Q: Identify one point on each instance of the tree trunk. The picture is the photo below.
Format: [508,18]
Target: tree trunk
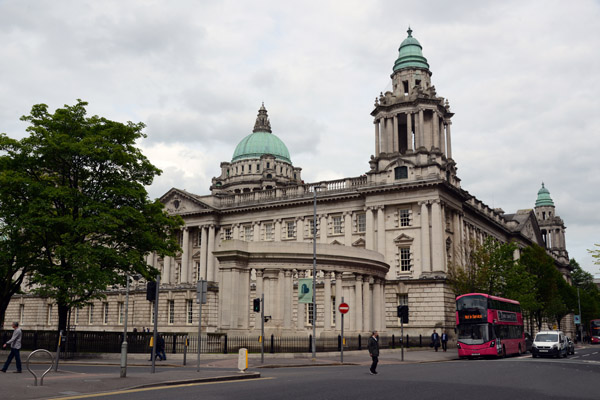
[63,313]
[3,307]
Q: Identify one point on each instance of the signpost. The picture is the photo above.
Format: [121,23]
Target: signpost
[343,307]
[200,299]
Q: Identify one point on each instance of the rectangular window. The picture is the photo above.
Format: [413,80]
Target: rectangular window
[105,313]
[90,314]
[400,172]
[199,237]
[171,305]
[291,229]
[308,312]
[190,311]
[49,316]
[248,233]
[268,231]
[197,270]
[21,313]
[404,259]
[257,167]
[337,225]
[227,234]
[404,217]
[76,317]
[121,307]
[361,223]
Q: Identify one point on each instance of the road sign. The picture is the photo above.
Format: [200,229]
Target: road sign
[343,308]
[577,320]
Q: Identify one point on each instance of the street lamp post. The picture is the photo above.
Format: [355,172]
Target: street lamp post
[124,344]
[314,282]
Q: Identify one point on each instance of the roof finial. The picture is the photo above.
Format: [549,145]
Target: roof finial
[262,121]
[543,184]
[409,31]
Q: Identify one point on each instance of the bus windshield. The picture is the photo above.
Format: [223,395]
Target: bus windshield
[472,303]
[474,333]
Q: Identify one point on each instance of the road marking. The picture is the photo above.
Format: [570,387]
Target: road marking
[575,357]
[117,392]
[595,352]
[585,355]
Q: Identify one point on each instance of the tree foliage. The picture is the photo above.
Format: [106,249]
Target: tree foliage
[588,293]
[81,183]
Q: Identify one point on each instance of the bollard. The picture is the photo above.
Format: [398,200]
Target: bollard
[359,342]
[243,360]
[225,345]
[420,340]
[185,347]
[272,344]
[393,342]
[339,343]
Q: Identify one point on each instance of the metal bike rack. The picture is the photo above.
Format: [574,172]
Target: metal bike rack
[45,372]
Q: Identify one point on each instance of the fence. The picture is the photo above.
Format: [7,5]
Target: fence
[79,342]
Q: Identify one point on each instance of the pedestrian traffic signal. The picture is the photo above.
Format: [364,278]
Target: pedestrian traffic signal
[403,314]
[151,291]
[256,305]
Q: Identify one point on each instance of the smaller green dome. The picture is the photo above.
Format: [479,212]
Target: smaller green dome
[410,54]
[543,198]
[261,141]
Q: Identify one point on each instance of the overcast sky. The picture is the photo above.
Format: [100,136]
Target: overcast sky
[522,77]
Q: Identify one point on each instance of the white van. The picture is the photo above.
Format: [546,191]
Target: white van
[549,344]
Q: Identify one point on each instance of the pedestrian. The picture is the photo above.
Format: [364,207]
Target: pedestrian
[15,348]
[160,348]
[444,340]
[435,340]
[373,347]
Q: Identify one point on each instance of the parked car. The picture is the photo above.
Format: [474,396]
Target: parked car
[570,346]
[528,342]
[549,344]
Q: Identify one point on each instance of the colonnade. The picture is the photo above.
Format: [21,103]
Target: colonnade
[433,133]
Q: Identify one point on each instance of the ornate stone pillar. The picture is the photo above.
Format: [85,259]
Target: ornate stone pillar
[367,311]
[435,130]
[438,249]
[280,302]
[358,303]
[376,123]
[327,301]
[348,228]
[395,140]
[383,305]
[288,292]
[425,248]
[166,275]
[300,322]
[185,255]
[448,140]
[370,228]
[409,135]
[376,304]
[422,140]
[381,230]
[339,293]
[324,228]
[442,137]
[210,263]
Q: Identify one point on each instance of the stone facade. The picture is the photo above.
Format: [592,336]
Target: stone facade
[382,239]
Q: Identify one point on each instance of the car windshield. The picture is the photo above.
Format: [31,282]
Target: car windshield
[546,337]
[474,333]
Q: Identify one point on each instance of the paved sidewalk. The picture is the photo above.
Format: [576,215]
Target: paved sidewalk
[101,374]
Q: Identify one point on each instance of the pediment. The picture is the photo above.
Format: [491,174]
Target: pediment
[403,238]
[337,243]
[178,201]
[359,243]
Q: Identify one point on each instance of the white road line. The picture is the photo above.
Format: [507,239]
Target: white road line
[575,357]
[585,355]
[595,352]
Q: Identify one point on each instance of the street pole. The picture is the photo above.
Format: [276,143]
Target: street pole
[580,317]
[124,344]
[201,299]
[262,328]
[402,336]
[155,336]
[314,282]
[342,345]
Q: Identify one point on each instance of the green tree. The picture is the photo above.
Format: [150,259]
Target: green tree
[588,293]
[81,181]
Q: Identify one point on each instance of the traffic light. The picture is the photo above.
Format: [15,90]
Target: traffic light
[151,291]
[403,314]
[256,305]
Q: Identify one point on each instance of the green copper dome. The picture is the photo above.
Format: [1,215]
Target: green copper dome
[410,54]
[543,198]
[261,141]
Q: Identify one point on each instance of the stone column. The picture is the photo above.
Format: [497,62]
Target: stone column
[438,249]
[422,140]
[370,228]
[448,140]
[367,311]
[278,230]
[348,228]
[166,275]
[358,303]
[327,301]
[409,136]
[381,230]
[425,250]
[288,292]
[210,258]
[395,140]
[324,228]
[203,250]
[442,137]
[236,231]
[383,304]
[384,135]
[435,130]
[256,233]
[280,302]
[300,229]
[300,322]
[376,304]
[376,123]
[185,255]
[243,305]
[339,293]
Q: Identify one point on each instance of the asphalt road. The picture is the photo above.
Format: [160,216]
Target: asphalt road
[577,377]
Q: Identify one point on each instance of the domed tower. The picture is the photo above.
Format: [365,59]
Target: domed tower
[412,124]
[551,225]
[260,161]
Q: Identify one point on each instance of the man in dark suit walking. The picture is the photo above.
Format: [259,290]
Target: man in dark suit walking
[444,340]
[373,347]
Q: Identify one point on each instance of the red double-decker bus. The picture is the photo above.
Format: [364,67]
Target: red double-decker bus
[595,331]
[488,326]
